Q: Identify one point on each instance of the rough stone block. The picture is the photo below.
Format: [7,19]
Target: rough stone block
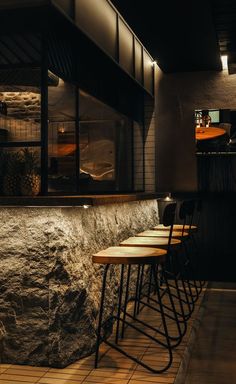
[49,287]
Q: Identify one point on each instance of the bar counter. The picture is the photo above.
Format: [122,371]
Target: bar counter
[68,201]
[50,290]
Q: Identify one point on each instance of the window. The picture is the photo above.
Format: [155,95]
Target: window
[89,147]
[62,138]
[106,147]
[20,132]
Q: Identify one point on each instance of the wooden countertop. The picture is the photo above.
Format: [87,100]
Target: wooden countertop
[74,201]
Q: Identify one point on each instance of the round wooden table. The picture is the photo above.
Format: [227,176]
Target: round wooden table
[206,133]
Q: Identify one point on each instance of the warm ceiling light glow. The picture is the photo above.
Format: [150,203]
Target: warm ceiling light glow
[154,63]
[224,60]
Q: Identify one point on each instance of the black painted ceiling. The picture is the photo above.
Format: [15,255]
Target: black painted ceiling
[183,35]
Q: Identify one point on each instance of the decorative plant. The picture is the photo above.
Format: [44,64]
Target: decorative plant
[30,178]
[2,169]
[11,173]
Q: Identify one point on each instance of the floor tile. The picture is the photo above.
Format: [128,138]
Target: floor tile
[48,380]
[18,378]
[114,368]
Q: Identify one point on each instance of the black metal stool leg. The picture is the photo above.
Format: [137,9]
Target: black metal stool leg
[126,301]
[140,289]
[119,303]
[159,298]
[136,291]
[100,315]
[149,285]
[176,315]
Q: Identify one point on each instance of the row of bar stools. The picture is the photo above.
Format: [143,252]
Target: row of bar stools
[174,266]
[177,317]
[187,229]
[135,247]
[154,249]
[127,256]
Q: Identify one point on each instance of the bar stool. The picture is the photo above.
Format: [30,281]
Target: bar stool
[169,243]
[174,269]
[125,256]
[177,317]
[186,214]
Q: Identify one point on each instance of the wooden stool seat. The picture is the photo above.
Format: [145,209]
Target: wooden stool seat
[176,227]
[129,255]
[149,242]
[161,233]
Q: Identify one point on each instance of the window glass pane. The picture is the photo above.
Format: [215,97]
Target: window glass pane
[105,147]
[20,105]
[20,171]
[138,157]
[215,116]
[61,138]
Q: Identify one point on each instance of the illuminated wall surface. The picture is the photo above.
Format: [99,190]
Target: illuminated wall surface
[49,286]
[103,24]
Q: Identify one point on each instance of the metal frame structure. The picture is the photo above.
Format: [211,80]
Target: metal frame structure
[42,48]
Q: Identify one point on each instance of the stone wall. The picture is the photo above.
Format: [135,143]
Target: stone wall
[49,288]
[22,122]
[22,104]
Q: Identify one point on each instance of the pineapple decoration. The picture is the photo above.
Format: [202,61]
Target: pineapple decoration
[11,178]
[2,169]
[30,178]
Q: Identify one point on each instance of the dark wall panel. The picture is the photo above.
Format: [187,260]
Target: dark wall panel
[148,72]
[126,56]
[67,6]
[138,62]
[98,20]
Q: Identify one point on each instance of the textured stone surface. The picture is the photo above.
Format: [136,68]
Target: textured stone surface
[49,288]
[22,109]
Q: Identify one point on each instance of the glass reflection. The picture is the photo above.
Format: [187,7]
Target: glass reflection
[61,138]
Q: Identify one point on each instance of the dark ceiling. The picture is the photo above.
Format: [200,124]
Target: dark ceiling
[183,35]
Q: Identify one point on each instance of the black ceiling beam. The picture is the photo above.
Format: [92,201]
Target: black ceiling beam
[173,31]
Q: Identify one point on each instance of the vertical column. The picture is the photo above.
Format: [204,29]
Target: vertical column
[149,144]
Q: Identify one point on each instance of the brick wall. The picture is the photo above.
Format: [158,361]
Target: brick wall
[149,145]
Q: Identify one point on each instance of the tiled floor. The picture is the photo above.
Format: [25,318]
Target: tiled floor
[213,359]
[114,368]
